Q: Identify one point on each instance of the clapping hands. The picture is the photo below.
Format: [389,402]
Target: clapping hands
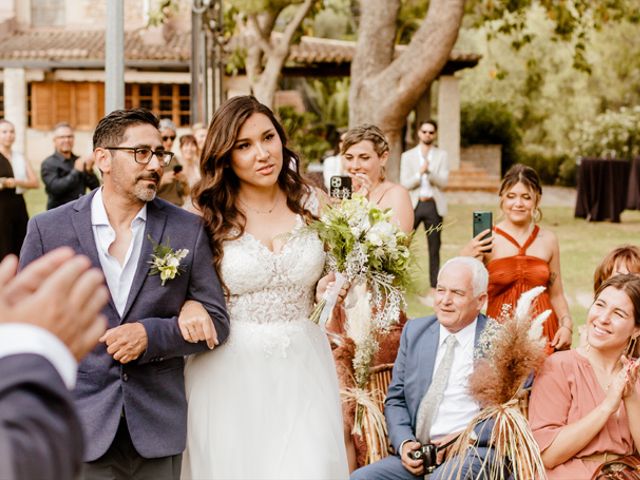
[624,384]
[58,292]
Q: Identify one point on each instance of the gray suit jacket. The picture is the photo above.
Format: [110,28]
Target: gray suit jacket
[149,390]
[412,373]
[40,434]
[438,176]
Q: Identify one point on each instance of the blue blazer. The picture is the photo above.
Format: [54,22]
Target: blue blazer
[149,390]
[40,434]
[412,373]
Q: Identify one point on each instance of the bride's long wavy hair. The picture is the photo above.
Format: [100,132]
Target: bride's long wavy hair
[216,194]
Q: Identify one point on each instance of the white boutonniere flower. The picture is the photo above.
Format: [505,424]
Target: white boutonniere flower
[165,261]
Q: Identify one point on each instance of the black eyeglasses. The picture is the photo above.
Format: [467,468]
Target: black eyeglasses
[142,155]
[168,137]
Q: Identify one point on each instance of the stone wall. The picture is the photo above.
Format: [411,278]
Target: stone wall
[487,157]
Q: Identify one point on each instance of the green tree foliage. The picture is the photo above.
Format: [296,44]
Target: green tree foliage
[547,96]
[305,133]
[491,123]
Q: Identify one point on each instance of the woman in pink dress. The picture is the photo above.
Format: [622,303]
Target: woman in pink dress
[585,403]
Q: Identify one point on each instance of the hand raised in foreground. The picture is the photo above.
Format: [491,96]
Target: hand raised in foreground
[58,292]
[195,324]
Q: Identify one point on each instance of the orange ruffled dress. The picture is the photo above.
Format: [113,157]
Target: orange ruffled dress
[509,277]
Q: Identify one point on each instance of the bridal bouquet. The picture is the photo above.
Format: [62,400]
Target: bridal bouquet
[368,250]
[365,246]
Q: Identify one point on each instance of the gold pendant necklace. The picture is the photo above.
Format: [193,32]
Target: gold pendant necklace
[261,212]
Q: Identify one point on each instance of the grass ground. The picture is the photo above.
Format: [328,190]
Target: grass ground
[582,246]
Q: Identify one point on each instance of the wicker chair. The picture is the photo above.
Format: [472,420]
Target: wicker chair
[377,446]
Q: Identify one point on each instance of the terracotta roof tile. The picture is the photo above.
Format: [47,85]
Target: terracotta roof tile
[64,45]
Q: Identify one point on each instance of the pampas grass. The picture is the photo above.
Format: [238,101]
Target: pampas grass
[516,350]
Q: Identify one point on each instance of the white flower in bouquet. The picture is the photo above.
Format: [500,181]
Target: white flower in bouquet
[364,245]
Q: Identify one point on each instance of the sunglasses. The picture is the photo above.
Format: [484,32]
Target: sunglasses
[168,137]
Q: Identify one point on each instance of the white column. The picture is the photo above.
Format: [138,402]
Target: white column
[15,104]
[114,57]
[449,118]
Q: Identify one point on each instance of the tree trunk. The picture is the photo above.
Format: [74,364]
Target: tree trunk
[384,90]
[264,74]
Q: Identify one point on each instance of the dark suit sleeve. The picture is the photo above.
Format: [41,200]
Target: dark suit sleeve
[40,435]
[56,185]
[32,247]
[395,405]
[163,334]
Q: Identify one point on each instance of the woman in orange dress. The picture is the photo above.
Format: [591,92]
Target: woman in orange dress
[585,403]
[520,255]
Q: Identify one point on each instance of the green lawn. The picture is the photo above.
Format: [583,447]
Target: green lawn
[582,246]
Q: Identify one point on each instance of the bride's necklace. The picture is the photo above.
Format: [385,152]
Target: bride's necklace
[261,212]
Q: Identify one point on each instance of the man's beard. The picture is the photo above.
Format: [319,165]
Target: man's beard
[428,141]
[146,192]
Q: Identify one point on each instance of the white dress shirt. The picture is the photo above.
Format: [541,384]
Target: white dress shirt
[21,338]
[119,277]
[426,190]
[458,407]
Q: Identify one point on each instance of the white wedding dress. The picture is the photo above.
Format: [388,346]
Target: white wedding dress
[265,404]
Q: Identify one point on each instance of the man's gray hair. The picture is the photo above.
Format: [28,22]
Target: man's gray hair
[479,274]
[166,123]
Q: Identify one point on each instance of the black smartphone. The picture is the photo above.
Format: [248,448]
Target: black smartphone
[177,168]
[481,222]
[340,186]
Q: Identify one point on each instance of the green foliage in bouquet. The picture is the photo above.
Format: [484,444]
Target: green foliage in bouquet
[365,245]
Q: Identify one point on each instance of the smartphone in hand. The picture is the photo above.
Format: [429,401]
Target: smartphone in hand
[482,221]
[340,186]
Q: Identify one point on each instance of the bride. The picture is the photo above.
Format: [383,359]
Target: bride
[264,405]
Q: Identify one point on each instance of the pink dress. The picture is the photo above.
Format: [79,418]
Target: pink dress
[565,390]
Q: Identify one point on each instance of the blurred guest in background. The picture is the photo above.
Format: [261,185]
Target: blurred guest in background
[66,176]
[424,171]
[173,184]
[16,175]
[200,133]
[622,259]
[190,158]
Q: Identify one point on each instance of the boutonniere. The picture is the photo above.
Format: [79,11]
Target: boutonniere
[165,261]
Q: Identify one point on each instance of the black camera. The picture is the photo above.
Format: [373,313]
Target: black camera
[428,453]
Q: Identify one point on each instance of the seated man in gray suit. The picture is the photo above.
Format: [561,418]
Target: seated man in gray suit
[428,399]
[155,256]
[49,319]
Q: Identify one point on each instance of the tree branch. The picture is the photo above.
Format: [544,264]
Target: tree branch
[262,39]
[301,13]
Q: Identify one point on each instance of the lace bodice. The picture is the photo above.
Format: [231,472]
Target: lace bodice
[268,287]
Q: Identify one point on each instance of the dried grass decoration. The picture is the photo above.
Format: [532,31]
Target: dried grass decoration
[508,352]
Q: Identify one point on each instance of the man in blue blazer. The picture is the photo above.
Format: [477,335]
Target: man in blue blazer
[155,256]
[461,292]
